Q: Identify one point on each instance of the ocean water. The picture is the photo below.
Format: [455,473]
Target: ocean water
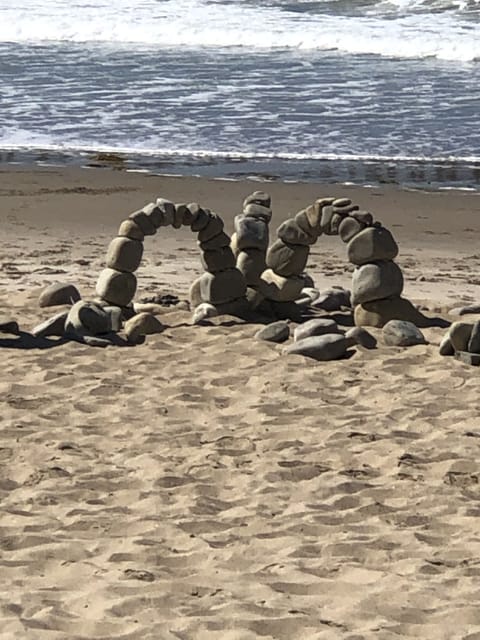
[326,90]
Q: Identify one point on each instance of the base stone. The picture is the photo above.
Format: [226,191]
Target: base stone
[222,287]
[379,312]
[116,287]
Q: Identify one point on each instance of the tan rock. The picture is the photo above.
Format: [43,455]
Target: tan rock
[142,324]
[252,264]
[57,294]
[116,287]
[217,242]
[144,222]
[378,312]
[376,281]
[290,232]
[88,318]
[313,214]
[365,217]
[258,197]
[323,347]
[195,293]
[349,227]
[124,254]
[372,244]
[54,326]
[234,244]
[130,229]
[154,213]
[200,217]
[460,334]
[275,287]
[218,260]
[168,214]
[286,259]
[326,219]
[254,210]
[222,287]
[251,233]
[446,347]
[213,228]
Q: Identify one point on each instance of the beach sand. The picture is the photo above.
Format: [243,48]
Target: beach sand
[202,486]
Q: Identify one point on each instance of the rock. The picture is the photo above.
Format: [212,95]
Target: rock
[401,333]
[327,215]
[446,347]
[154,213]
[378,312]
[274,332]
[325,347]
[375,281]
[462,311]
[168,214]
[474,342]
[217,242]
[213,228]
[309,293]
[315,327]
[116,287]
[460,334]
[57,294]
[124,254]
[195,293]
[468,358]
[333,299]
[144,222]
[313,215]
[8,325]
[275,287]
[91,341]
[335,224]
[130,229]
[346,210]
[301,218]
[349,227]
[203,311]
[341,202]
[234,245]
[251,233]
[258,197]
[238,308]
[372,244]
[142,324]
[258,211]
[183,213]
[218,260]
[221,287]
[88,318]
[200,217]
[286,259]
[252,264]
[365,217]
[54,326]
[360,336]
[116,317]
[290,232]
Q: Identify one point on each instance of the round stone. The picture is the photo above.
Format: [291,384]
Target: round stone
[124,254]
[116,287]
[375,281]
[372,244]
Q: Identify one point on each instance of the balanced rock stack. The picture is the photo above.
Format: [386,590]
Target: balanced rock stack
[251,237]
[287,257]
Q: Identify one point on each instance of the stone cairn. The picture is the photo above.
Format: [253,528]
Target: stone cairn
[242,273]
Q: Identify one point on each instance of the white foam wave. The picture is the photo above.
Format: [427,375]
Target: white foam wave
[199,23]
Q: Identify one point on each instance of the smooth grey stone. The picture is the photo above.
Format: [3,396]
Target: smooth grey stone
[446,347]
[144,222]
[315,327]
[218,260]
[95,341]
[124,254]
[251,233]
[460,334]
[254,210]
[372,244]
[221,287]
[333,299]
[313,214]
[217,242]
[142,324]
[195,293]
[323,348]
[302,219]
[359,335]
[258,197]
[474,342]
[327,215]
[278,288]
[252,264]
[168,215]
[54,326]
[274,332]
[57,294]
[462,311]
[286,259]
[401,333]
[203,311]
[116,316]
[290,232]
[130,229]
[213,228]
[341,202]
[8,325]
[376,281]
[200,217]
[335,223]
[349,227]
[116,287]
[365,217]
[155,214]
[468,358]
[346,209]
[88,318]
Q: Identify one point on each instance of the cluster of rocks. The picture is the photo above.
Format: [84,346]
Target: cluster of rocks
[462,340]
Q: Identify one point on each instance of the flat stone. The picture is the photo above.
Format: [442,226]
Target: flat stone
[446,347]
[349,227]
[8,325]
[308,296]
[54,326]
[375,281]
[468,358]
[221,287]
[333,299]
[213,228]
[218,260]
[116,287]
[460,334]
[258,197]
[313,214]
[378,312]
[323,348]
[327,215]
[401,333]
[274,332]
[142,324]
[88,318]
[302,219]
[286,259]
[365,217]
[57,294]
[372,244]
[335,223]
[474,342]
[360,336]
[346,209]
[234,245]
[341,202]
[92,341]
[315,327]
[203,311]
[168,215]
[254,210]
[200,217]
[144,222]
[276,287]
[217,242]
[124,254]
[116,316]
[130,229]
[290,232]
[251,233]
[155,214]
[252,264]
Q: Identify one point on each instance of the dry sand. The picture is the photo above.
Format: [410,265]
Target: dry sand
[202,485]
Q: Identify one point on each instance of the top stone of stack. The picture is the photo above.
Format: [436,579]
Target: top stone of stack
[372,244]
